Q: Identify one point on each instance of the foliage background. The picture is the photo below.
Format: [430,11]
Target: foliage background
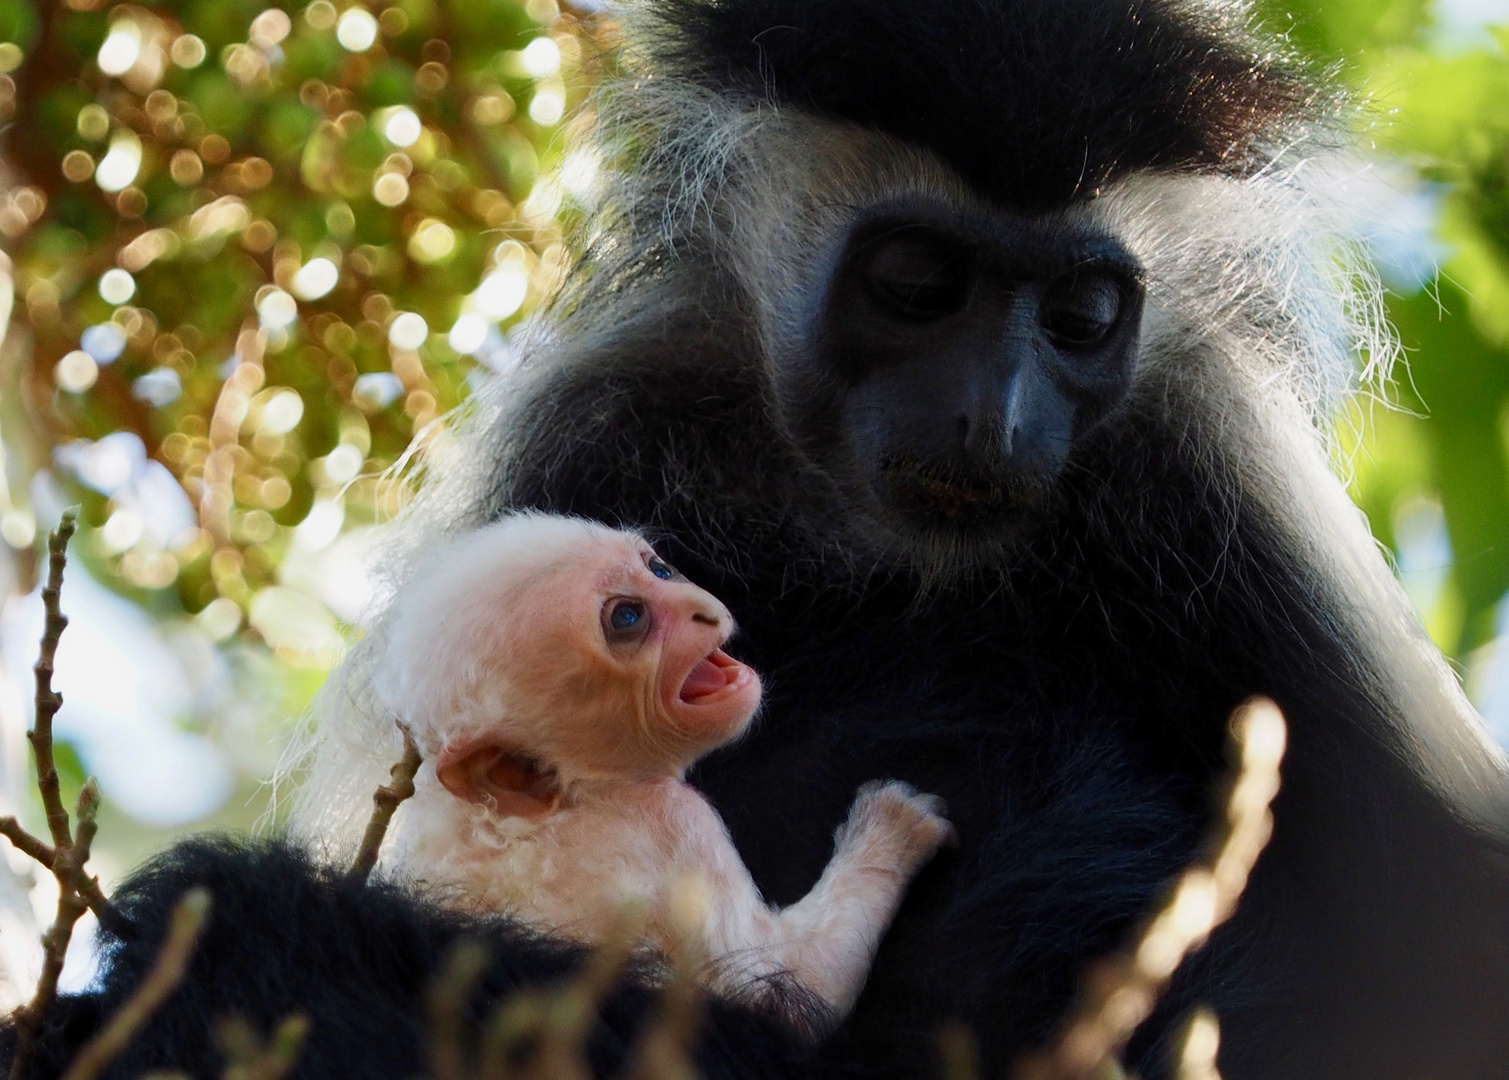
[1431,472]
[252,253]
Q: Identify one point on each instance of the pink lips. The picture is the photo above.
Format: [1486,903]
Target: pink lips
[711,674]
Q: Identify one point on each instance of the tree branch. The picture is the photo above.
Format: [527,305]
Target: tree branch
[26,843]
[48,699]
[66,867]
[69,852]
[87,886]
[47,704]
[386,800]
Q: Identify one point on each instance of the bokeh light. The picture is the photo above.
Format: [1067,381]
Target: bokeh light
[315,279]
[357,29]
[121,48]
[403,127]
[468,334]
[117,286]
[409,331]
[188,51]
[120,164]
[541,57]
[76,372]
[390,189]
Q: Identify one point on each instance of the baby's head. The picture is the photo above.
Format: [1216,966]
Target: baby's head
[543,650]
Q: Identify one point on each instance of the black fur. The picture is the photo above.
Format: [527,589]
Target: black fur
[286,936]
[1036,102]
[1070,705]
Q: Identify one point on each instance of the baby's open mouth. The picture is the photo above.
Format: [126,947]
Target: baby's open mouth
[714,672]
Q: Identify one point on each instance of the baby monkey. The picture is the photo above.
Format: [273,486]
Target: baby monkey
[559,679]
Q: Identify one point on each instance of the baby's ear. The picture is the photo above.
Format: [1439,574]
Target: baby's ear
[513,783]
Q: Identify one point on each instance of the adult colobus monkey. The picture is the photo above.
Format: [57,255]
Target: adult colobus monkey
[979,354]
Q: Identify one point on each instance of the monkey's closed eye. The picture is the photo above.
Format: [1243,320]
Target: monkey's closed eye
[625,620]
[1081,310]
[918,276]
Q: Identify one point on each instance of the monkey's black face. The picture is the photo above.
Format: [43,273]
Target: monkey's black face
[961,366]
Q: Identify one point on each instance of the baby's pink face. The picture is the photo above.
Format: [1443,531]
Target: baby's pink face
[628,656]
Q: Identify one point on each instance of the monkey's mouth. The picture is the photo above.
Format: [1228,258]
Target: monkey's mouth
[962,498]
[715,674]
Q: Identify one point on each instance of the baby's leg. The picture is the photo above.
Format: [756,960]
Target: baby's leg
[827,940]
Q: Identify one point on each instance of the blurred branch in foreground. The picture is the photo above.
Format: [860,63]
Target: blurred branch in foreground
[171,966]
[1120,991]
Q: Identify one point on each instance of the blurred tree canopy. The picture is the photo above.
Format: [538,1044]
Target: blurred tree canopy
[270,245]
[252,253]
[1431,474]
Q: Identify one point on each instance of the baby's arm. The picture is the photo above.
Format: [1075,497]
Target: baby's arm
[827,940]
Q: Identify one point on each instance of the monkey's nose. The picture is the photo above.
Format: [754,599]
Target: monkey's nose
[710,612]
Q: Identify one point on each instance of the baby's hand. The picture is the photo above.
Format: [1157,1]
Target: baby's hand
[894,827]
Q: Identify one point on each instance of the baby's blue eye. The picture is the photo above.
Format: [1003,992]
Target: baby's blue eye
[625,619]
[661,569]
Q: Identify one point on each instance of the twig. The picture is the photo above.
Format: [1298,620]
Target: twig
[1121,990]
[188,919]
[48,699]
[68,853]
[89,887]
[26,843]
[385,800]
[67,867]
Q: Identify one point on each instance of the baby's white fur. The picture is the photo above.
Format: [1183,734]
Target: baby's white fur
[440,679]
[611,840]
[571,872]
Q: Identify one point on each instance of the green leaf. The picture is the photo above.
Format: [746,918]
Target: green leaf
[1463,382]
